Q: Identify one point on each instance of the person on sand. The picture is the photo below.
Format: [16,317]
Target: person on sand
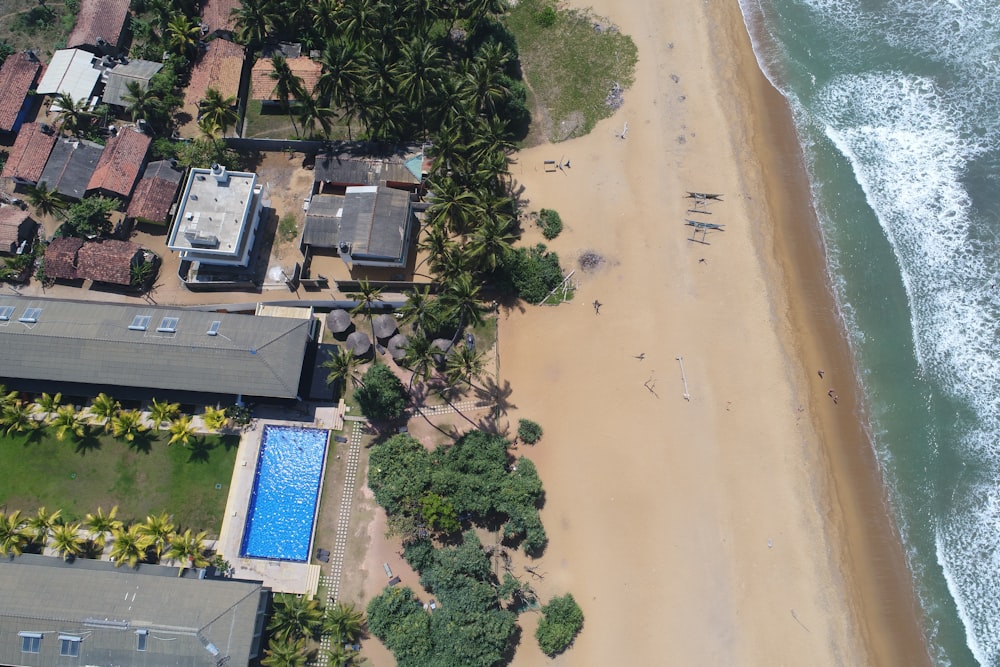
[597,307]
[820,373]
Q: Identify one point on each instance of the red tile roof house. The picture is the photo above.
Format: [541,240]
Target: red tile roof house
[101,26]
[18,75]
[108,261]
[60,258]
[29,154]
[262,85]
[16,228]
[155,193]
[120,164]
[219,67]
[217,16]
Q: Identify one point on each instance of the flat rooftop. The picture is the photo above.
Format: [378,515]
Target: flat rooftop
[212,214]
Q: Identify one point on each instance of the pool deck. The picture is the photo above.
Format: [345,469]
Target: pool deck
[279,576]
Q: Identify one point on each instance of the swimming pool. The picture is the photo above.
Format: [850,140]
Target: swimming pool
[282,511]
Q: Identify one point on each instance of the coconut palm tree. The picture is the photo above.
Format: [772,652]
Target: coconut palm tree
[181,431]
[68,420]
[127,424]
[313,113]
[160,530]
[341,78]
[286,85]
[492,241]
[161,412]
[130,545]
[47,404]
[16,418]
[38,526]
[342,367]
[72,114]
[420,70]
[465,365]
[7,397]
[419,358]
[419,310]
[461,297]
[187,550]
[254,21]
[100,524]
[339,655]
[143,102]
[13,538]
[344,622]
[103,409]
[366,297]
[218,111]
[285,653]
[214,419]
[452,264]
[295,617]
[182,36]
[67,541]
[437,243]
[45,201]
[452,206]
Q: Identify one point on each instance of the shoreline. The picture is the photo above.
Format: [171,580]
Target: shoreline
[763,495]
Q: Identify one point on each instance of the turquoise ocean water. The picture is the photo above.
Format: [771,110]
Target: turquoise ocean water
[896,105]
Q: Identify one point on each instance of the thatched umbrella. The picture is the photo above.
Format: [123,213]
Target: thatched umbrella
[397,346]
[339,321]
[359,343]
[385,326]
[444,347]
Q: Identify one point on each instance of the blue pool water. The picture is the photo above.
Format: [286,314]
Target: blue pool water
[285,494]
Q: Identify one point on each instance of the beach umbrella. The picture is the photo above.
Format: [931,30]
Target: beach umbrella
[397,346]
[443,345]
[360,343]
[338,321]
[385,326]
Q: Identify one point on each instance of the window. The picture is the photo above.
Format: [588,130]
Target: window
[30,315]
[214,329]
[168,325]
[6,312]
[140,322]
[140,637]
[69,645]
[30,641]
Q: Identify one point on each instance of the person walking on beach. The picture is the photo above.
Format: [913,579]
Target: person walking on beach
[597,307]
[820,373]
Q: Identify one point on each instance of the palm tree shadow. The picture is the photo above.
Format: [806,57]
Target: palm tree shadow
[500,393]
[142,443]
[200,450]
[88,443]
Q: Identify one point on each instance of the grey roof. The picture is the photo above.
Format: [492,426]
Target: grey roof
[338,321]
[323,221]
[375,223]
[385,325]
[140,71]
[359,342]
[188,622]
[92,343]
[397,346]
[70,165]
[349,168]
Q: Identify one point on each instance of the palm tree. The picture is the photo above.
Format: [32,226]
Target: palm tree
[66,540]
[452,264]
[100,524]
[437,243]
[72,113]
[130,545]
[285,653]
[48,404]
[421,69]
[343,366]
[214,419]
[341,78]
[492,242]
[218,111]
[464,365]
[161,412]
[188,550]
[13,538]
[461,297]
[103,409]
[17,418]
[344,622]
[45,201]
[182,36]
[287,85]
[295,617]
[143,103]
[366,297]
[312,112]
[419,310]
[452,206]
[68,420]
[7,397]
[340,655]
[254,21]
[127,424]
[419,357]
[39,525]
[160,530]
[181,431]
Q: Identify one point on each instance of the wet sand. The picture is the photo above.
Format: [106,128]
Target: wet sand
[746,525]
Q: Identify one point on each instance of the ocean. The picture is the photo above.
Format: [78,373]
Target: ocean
[895,104]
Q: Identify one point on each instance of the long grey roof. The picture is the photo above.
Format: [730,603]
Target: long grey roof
[350,168]
[70,166]
[375,223]
[92,343]
[322,221]
[140,71]
[188,622]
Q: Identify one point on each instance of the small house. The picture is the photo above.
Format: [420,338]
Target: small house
[18,75]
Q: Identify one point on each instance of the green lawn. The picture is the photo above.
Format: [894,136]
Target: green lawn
[147,477]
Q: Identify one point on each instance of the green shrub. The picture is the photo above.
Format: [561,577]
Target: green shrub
[562,619]
[381,396]
[534,273]
[547,17]
[550,222]
[288,228]
[529,431]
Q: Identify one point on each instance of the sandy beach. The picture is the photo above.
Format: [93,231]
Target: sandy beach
[748,524]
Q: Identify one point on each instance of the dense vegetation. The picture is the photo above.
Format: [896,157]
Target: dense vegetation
[296,619]
[528,431]
[382,396]
[562,619]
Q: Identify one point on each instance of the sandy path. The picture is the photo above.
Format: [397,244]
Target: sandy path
[710,531]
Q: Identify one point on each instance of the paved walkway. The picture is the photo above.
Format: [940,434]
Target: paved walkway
[464,406]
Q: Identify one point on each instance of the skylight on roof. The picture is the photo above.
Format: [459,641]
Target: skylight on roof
[30,315]
[140,322]
[214,329]
[168,325]
[141,638]
[5,313]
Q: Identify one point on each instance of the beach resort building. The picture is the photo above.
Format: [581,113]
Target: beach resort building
[84,348]
[89,612]
[18,75]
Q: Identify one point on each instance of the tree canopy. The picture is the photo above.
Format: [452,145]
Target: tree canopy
[382,396]
[562,619]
